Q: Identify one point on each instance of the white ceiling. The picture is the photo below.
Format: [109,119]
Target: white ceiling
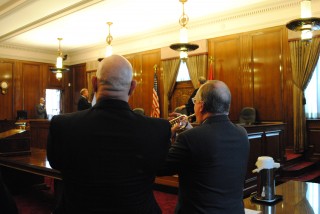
[36,24]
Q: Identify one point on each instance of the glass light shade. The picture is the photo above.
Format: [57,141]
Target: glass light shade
[306,9]
[184,35]
[59,62]
[59,75]
[108,51]
[306,35]
[183,55]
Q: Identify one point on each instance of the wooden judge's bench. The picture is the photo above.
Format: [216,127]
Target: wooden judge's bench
[266,139]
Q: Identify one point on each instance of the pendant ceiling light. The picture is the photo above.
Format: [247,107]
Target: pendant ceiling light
[184,47]
[109,40]
[306,24]
[59,69]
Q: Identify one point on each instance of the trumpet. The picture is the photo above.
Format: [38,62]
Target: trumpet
[182,120]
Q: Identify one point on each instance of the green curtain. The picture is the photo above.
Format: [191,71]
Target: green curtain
[170,72]
[304,57]
[197,66]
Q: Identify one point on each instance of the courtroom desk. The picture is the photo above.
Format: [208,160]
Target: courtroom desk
[266,139]
[298,198]
[39,129]
[6,125]
[36,163]
[171,181]
[14,142]
[26,171]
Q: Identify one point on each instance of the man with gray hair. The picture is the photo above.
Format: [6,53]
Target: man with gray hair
[108,155]
[83,102]
[210,159]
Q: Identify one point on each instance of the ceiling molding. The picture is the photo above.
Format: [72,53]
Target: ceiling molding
[11,6]
[56,15]
[248,19]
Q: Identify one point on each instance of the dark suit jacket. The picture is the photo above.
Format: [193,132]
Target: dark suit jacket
[83,104]
[41,112]
[108,156]
[189,104]
[211,160]
[7,202]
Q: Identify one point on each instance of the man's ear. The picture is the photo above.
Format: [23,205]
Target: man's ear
[202,108]
[94,83]
[132,87]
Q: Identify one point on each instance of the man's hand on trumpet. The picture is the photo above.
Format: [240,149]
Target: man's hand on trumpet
[179,122]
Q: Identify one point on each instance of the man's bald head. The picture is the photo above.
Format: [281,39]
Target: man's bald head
[114,78]
[216,97]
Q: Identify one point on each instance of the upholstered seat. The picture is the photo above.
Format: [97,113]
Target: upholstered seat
[247,116]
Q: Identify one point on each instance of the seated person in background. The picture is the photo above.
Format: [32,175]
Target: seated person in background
[210,159]
[108,155]
[41,112]
[83,102]
[189,105]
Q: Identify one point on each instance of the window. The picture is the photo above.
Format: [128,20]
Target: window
[183,73]
[312,93]
[52,102]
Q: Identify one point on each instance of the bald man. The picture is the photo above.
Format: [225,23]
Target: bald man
[108,155]
[211,159]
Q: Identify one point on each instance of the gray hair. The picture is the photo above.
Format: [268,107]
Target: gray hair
[83,90]
[216,97]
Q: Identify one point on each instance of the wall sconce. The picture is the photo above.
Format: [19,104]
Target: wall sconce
[59,69]
[109,40]
[184,47]
[306,24]
[4,87]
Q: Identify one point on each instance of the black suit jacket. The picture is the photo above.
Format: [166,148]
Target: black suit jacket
[108,156]
[83,104]
[189,105]
[211,160]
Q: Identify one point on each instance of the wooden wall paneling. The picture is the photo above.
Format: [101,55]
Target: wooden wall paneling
[135,99]
[246,72]
[32,86]
[226,54]
[266,61]
[313,136]
[143,70]
[79,81]
[18,97]
[66,92]
[52,81]
[6,100]
[287,88]
[149,60]
[181,94]
[90,75]
[273,149]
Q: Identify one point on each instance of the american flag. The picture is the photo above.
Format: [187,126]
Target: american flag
[155,99]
